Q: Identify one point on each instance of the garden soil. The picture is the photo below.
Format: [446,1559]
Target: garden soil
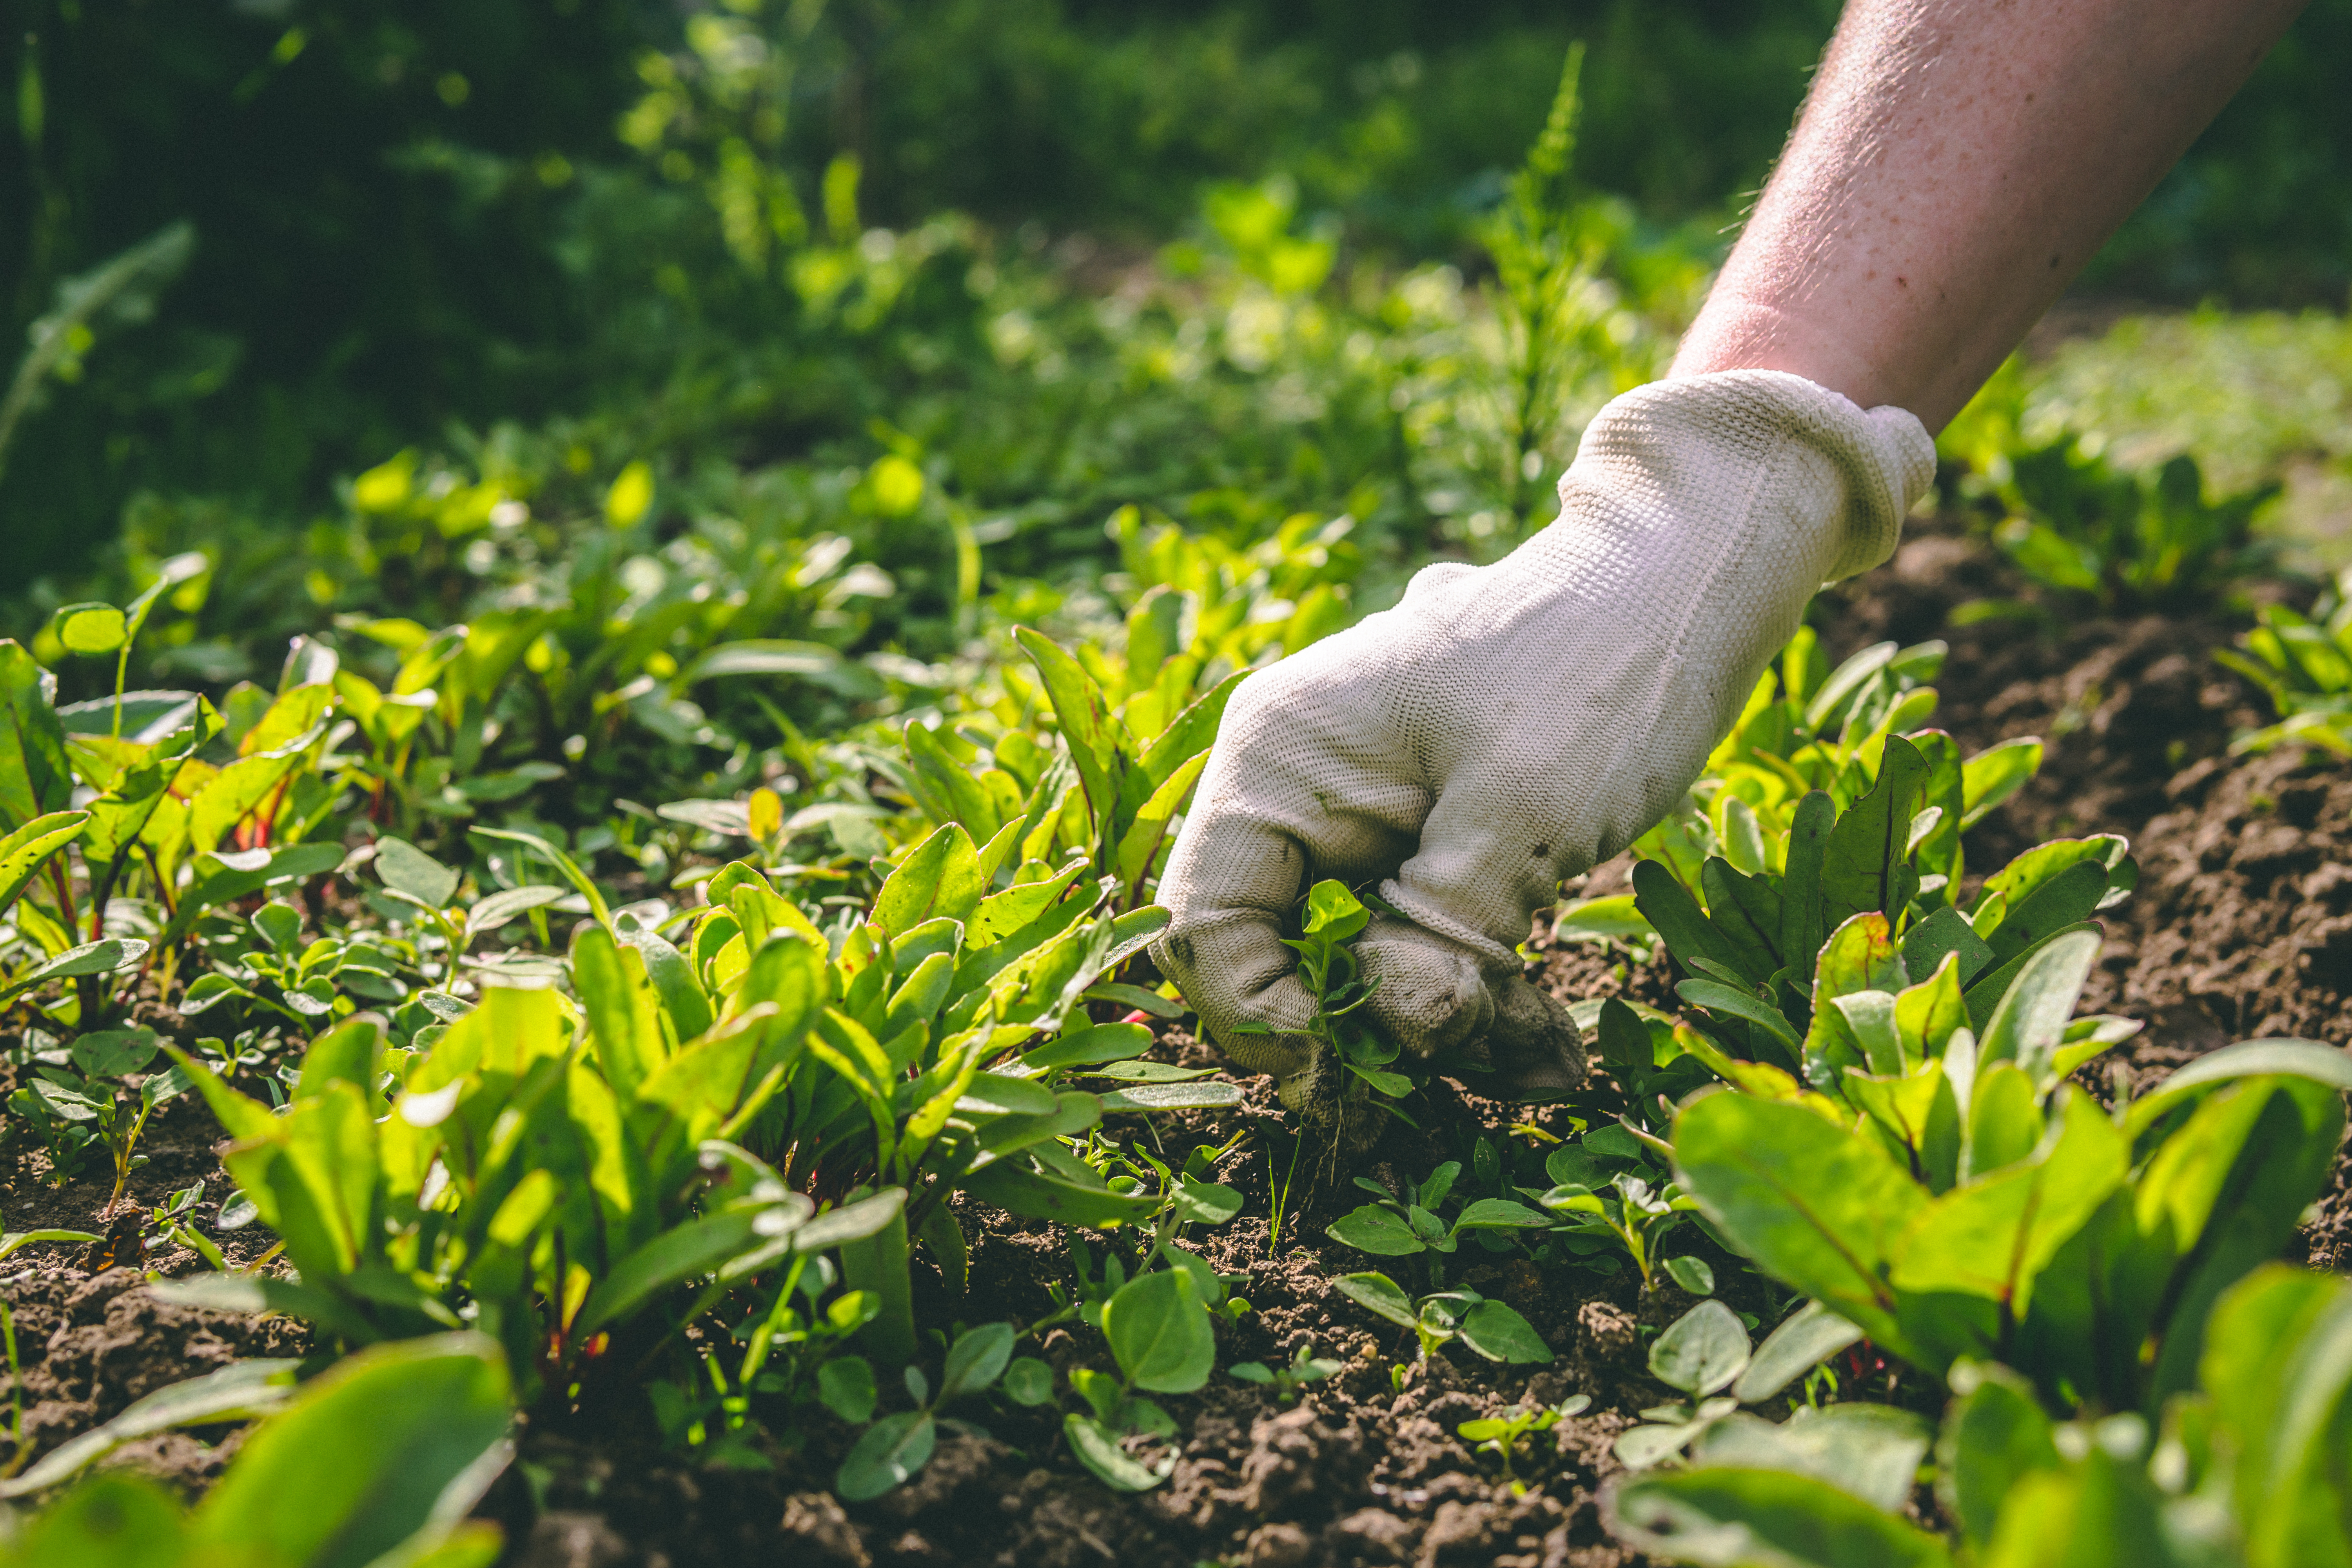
[2242,927]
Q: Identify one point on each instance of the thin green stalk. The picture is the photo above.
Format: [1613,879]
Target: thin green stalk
[15,1393]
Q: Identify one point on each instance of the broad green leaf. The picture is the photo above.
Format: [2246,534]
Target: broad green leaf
[405,867]
[1746,911]
[1845,681]
[1615,917]
[2005,1121]
[1717,997]
[1376,1294]
[1497,1332]
[1809,1337]
[1142,841]
[1722,1517]
[2229,1188]
[1000,915]
[111,1053]
[2101,1512]
[91,958]
[1202,1096]
[1500,1213]
[1190,732]
[1377,1230]
[624,1017]
[992,1091]
[1993,776]
[853,1221]
[889,1453]
[386,1443]
[975,1360]
[845,1385]
[1159,1330]
[2066,899]
[1870,1022]
[1920,1115]
[24,852]
[1984,997]
[945,790]
[1872,1451]
[1029,1381]
[2330,1065]
[1995,1433]
[1084,721]
[35,779]
[237,1392]
[2030,1024]
[1072,1114]
[1700,1352]
[1669,907]
[1811,1204]
[1333,912]
[1946,933]
[1803,921]
[1209,1203]
[939,876]
[1096,1448]
[117,1520]
[345,1054]
[245,787]
[2278,1367]
[1009,1184]
[1993,1235]
[1086,1046]
[680,994]
[1694,1274]
[1863,866]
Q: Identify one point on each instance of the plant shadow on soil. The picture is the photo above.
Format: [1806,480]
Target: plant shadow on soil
[2242,927]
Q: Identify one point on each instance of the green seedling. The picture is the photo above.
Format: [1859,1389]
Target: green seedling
[1332,917]
[1287,1381]
[264,963]
[2304,665]
[1707,1356]
[80,1103]
[1407,1225]
[1159,1329]
[2130,544]
[1501,1435]
[893,1449]
[1491,1329]
[1630,1213]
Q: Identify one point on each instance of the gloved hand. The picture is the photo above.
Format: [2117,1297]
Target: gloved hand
[1507,726]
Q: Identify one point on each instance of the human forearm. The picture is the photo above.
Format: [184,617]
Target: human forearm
[1955,164]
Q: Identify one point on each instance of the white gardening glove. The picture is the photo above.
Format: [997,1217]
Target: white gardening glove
[1508,726]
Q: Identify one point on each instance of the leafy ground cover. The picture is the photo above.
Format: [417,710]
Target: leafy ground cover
[629,931]
[1080,1382]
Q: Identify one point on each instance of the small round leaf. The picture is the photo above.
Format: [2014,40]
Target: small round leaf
[1701,1351]
[1029,1381]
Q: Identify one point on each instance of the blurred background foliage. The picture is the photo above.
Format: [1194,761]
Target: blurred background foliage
[1229,263]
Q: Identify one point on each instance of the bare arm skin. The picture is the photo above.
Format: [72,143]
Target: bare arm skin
[1956,163]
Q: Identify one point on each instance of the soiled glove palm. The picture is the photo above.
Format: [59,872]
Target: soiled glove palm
[1505,727]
